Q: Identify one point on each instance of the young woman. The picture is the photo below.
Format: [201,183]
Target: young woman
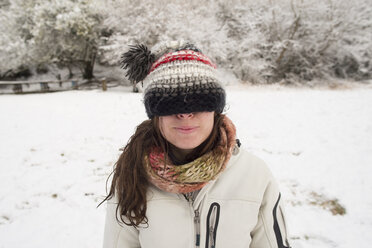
[182,179]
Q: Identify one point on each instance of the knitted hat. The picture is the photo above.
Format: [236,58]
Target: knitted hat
[177,78]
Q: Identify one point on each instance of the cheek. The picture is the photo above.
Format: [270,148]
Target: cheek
[164,128]
[207,119]
[209,126]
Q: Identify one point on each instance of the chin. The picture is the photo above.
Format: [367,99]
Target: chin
[188,146]
[185,145]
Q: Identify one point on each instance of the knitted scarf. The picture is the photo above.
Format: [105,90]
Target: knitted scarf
[194,175]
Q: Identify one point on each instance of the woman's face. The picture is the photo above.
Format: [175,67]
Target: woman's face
[187,131]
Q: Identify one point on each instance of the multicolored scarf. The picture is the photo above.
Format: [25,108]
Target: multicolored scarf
[194,175]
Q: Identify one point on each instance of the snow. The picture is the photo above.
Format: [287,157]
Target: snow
[58,149]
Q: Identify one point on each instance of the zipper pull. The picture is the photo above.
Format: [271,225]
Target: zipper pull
[197,225]
[211,232]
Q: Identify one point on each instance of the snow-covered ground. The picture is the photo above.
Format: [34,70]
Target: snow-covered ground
[57,150]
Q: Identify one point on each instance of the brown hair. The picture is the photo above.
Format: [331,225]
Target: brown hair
[130,183]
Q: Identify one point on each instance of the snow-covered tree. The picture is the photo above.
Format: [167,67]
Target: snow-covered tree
[244,43]
[259,41]
[149,22]
[309,39]
[13,47]
[64,32]
[295,40]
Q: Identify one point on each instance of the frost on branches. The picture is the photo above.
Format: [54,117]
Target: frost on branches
[13,48]
[288,41]
[61,32]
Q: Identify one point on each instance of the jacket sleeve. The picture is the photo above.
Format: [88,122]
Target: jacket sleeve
[118,235]
[270,230]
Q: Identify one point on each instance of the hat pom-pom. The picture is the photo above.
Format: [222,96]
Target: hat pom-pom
[137,61]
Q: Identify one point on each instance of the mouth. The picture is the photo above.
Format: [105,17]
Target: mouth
[186,129]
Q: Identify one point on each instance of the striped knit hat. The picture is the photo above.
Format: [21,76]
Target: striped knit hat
[177,77]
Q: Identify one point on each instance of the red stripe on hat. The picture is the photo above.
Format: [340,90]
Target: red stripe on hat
[181,55]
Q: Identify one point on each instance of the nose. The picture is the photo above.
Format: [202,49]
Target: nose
[185,116]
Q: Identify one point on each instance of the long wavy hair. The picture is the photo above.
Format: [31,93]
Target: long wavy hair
[129,183]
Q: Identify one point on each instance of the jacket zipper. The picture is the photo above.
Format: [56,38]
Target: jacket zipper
[196,221]
[197,228]
[212,225]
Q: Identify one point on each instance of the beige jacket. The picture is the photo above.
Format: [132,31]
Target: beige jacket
[242,208]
